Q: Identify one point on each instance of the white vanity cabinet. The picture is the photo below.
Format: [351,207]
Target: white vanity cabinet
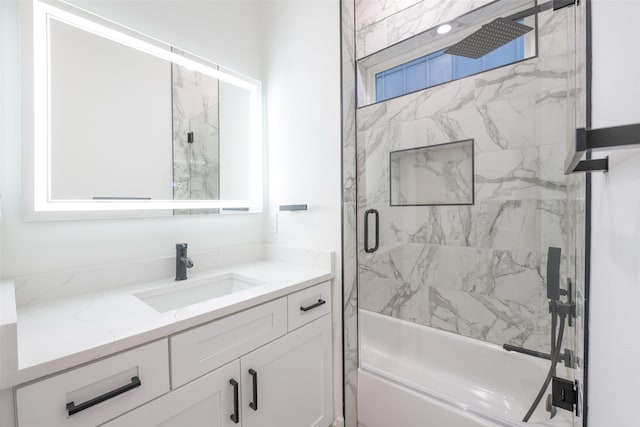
[275,378]
[97,392]
[204,348]
[205,402]
[290,380]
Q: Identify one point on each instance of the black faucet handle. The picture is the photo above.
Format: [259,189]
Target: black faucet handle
[182,261]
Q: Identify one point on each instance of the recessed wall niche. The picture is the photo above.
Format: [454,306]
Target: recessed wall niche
[433,175]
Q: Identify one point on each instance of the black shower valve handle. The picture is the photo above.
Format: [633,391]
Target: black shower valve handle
[566,309]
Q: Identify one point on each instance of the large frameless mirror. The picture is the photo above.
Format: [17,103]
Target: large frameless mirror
[124,122]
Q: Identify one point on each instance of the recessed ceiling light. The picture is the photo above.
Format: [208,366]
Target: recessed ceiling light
[444,29]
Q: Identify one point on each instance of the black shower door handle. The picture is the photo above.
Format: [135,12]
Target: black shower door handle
[367,249]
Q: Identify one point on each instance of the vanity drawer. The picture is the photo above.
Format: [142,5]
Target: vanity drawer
[207,347]
[309,304]
[95,393]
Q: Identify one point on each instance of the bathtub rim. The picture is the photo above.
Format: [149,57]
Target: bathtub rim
[438,397]
[429,394]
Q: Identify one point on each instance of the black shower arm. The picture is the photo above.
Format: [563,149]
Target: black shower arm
[553,4]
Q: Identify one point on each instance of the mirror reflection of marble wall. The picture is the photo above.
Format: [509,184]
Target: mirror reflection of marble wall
[196,137]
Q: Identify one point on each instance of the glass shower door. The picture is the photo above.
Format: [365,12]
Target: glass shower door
[461,193]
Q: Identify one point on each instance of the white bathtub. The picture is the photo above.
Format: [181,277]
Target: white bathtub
[415,376]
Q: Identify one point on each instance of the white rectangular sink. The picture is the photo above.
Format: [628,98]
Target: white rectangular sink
[191,291]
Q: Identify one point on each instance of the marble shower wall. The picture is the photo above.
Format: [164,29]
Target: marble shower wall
[474,270]
[196,110]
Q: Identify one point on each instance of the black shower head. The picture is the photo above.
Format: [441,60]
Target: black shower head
[488,38]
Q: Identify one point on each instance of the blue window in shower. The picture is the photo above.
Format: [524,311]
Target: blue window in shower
[438,67]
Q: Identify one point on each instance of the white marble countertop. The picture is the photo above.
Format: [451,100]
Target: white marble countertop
[59,333]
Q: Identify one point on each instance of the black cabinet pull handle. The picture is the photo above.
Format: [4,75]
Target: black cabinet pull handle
[254,405]
[235,417]
[312,306]
[73,409]
[367,249]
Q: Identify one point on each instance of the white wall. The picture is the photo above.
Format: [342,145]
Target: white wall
[226,32]
[302,97]
[614,343]
[8,114]
[616,67]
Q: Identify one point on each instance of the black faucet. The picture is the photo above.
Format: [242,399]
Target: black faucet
[182,261]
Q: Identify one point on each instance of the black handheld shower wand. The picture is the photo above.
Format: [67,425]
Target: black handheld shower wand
[553,292]
[553,273]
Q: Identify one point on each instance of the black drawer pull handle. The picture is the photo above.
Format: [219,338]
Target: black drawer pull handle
[312,306]
[235,417]
[254,405]
[73,409]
